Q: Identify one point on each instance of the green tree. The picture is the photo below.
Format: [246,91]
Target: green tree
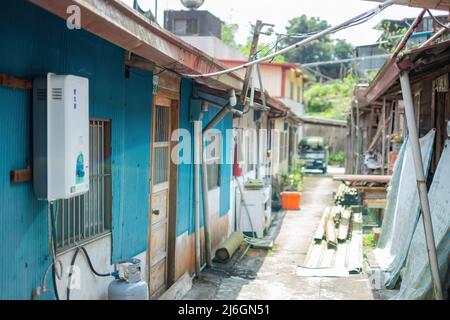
[391,35]
[229,31]
[323,49]
[330,100]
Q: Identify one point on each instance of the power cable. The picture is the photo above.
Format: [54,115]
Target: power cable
[437,20]
[349,23]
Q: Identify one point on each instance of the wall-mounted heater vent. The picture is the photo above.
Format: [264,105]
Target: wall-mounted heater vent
[57,94]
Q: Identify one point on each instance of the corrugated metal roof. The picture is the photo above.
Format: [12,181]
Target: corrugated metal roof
[419,61]
[126,28]
[429,4]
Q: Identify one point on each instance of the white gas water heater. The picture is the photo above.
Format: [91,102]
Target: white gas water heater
[60,137]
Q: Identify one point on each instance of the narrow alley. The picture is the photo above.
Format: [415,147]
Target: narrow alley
[187,150]
[271,275]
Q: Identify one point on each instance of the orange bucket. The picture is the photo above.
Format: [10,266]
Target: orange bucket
[291,200]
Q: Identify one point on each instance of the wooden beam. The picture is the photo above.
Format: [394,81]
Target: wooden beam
[15,83]
[363,178]
[375,203]
[22,175]
[331,235]
[344,226]
[320,233]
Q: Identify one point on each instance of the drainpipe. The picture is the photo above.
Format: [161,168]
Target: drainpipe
[225,110]
[197,143]
[205,195]
[421,183]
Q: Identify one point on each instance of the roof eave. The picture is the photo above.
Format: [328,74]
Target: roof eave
[117,23]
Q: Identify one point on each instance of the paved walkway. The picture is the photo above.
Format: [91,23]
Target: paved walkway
[263,275]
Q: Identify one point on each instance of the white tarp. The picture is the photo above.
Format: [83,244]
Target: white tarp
[416,277]
[402,212]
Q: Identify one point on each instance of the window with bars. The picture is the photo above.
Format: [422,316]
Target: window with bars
[213,159]
[161,146]
[86,217]
[284,146]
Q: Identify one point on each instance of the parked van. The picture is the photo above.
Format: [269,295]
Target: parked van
[314,153]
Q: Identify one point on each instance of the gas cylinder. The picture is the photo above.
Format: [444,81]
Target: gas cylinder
[128,284]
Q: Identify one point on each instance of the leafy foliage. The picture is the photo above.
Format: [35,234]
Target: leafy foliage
[369,240]
[323,49]
[391,35]
[229,34]
[337,158]
[294,179]
[331,100]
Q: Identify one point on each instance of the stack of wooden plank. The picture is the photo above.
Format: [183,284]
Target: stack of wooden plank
[334,226]
[337,242]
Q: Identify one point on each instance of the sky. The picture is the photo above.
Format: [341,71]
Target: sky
[246,12]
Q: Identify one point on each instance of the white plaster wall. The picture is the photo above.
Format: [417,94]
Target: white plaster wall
[91,287]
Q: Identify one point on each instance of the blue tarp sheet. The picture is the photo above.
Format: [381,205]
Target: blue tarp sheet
[402,212]
[416,277]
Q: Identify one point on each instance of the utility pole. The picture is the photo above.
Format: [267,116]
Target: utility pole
[257,31]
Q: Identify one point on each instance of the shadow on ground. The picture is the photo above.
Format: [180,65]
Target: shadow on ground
[271,275]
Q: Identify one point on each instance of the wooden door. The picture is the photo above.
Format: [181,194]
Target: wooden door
[159,211]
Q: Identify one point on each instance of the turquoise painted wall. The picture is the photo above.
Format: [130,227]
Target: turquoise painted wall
[185,219]
[35,42]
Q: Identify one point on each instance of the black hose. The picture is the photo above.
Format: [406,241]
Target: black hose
[88,258]
[54,281]
[53,212]
[92,267]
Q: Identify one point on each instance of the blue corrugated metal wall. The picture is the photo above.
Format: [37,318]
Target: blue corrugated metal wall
[185,221]
[35,42]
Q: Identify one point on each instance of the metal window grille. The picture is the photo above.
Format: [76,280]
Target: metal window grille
[284,147]
[83,218]
[161,146]
[213,160]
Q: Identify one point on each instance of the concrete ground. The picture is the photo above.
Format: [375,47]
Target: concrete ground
[271,275]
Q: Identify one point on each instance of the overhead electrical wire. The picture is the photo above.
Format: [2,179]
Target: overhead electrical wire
[359,19]
[437,20]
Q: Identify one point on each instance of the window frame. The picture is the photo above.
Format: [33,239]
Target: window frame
[79,214]
[216,160]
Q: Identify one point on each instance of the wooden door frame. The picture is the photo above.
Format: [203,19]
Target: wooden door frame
[172,191]
[173,198]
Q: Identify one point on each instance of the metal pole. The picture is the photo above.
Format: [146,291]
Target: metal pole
[261,87]
[197,141]
[421,183]
[409,33]
[436,36]
[225,110]
[358,140]
[383,140]
[206,203]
